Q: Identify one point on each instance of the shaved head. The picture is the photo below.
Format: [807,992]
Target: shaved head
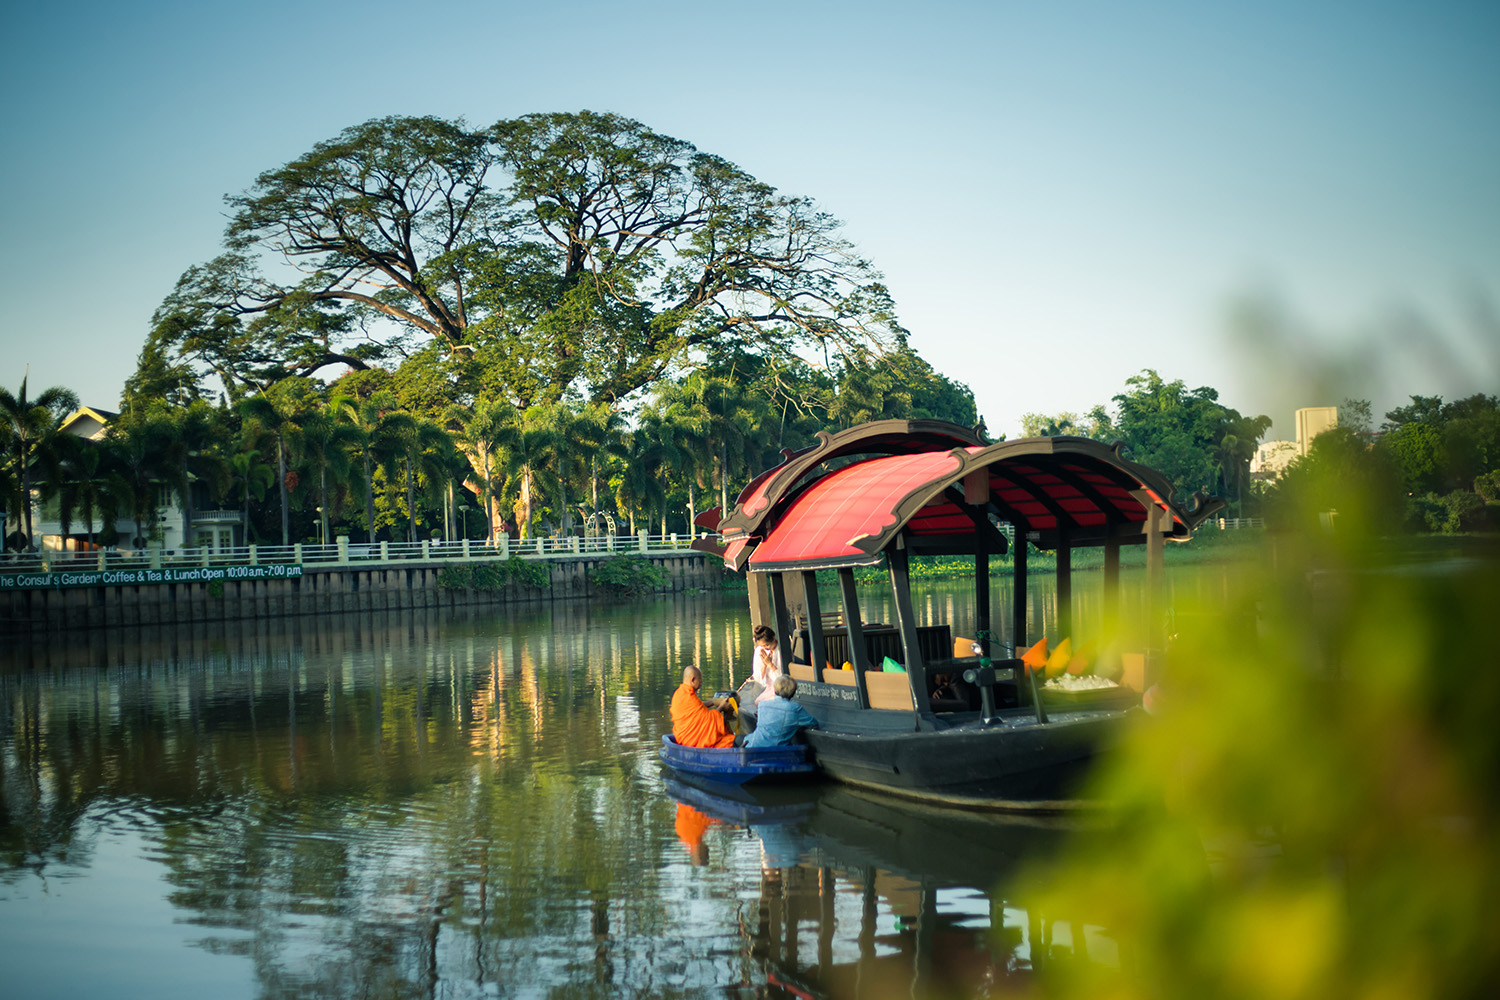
[691,674]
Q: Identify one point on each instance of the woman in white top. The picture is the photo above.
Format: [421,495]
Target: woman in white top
[765,662]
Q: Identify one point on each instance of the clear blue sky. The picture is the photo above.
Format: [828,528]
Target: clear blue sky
[1059,194]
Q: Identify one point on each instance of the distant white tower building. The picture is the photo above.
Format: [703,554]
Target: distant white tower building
[1312,421]
[1272,457]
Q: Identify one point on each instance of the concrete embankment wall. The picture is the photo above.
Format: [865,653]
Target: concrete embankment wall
[320,590]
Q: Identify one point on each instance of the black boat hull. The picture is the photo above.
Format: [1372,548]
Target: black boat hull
[1016,765]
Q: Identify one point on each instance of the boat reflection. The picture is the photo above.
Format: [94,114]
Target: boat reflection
[861,895]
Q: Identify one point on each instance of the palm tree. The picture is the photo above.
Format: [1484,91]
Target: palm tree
[648,455]
[278,412]
[87,484]
[192,455]
[32,427]
[372,444]
[480,432]
[1234,450]
[573,442]
[418,447]
[140,460]
[9,483]
[606,434]
[692,458]
[728,416]
[326,443]
[249,476]
[866,393]
[530,448]
[92,485]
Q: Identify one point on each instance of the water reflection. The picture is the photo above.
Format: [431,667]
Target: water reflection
[859,896]
[456,805]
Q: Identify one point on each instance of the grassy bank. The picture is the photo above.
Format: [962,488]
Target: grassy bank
[1207,547]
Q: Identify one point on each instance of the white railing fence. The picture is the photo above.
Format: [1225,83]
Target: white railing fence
[1232,523]
[346,553]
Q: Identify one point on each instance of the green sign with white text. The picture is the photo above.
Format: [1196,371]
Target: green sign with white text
[118,577]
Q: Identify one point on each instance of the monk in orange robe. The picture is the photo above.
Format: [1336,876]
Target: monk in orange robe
[695,724]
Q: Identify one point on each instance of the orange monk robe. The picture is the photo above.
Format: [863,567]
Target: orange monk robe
[692,825]
[694,724]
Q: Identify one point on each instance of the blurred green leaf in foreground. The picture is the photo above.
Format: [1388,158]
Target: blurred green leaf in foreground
[1311,812]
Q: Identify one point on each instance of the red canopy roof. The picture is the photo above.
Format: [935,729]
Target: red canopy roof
[849,507]
[1054,490]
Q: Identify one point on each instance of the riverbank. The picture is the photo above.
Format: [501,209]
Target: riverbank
[205,594]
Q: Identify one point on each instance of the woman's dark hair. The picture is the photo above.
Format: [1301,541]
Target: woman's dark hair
[765,633]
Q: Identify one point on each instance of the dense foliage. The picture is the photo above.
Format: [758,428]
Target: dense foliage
[1311,810]
[422,329]
[1433,467]
[540,258]
[628,576]
[510,574]
[1187,435]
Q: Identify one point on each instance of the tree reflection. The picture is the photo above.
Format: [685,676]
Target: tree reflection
[399,805]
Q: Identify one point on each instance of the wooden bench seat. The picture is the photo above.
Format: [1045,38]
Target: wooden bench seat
[888,691]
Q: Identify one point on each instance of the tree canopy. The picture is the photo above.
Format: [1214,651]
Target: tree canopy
[1188,435]
[551,255]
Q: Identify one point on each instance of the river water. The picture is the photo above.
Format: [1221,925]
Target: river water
[467,805]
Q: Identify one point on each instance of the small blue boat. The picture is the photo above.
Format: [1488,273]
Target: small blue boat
[737,765]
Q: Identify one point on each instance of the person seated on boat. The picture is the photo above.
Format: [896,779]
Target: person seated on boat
[949,693]
[765,663]
[781,718]
[943,689]
[694,723]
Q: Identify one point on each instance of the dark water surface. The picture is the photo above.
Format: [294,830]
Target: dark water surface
[455,806]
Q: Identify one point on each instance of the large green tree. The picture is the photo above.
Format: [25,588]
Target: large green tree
[1183,433]
[543,255]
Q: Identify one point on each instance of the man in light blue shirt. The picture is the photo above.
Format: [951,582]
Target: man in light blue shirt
[779,719]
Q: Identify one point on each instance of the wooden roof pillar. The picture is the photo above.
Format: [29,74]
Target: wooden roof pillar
[906,623]
[854,627]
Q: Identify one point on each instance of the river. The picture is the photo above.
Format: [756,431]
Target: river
[467,806]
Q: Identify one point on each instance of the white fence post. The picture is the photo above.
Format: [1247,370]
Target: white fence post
[426,549]
[645,541]
[254,555]
[385,550]
[343,543]
[466,549]
[297,552]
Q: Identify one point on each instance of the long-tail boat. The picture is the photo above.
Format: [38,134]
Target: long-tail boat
[883,492]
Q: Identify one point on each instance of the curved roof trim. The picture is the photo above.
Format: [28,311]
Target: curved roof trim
[878,437]
[1057,490]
